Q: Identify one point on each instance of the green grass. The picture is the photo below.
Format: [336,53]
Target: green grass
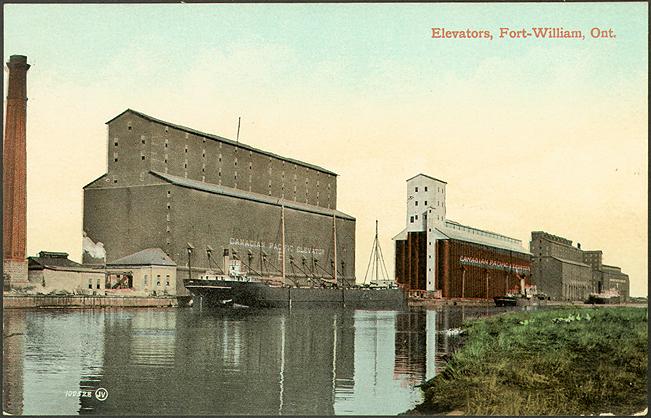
[569,361]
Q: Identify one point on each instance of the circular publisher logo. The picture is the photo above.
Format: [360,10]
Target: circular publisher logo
[101,394]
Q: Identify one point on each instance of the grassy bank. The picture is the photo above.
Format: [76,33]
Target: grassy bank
[568,361]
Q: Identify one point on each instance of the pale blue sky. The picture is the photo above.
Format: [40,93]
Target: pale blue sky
[529,134]
[354,36]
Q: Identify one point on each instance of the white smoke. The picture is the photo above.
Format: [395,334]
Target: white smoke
[95,250]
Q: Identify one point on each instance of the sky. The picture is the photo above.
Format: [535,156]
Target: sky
[529,134]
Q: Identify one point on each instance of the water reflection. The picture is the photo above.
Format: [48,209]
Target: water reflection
[235,361]
[13,352]
[421,343]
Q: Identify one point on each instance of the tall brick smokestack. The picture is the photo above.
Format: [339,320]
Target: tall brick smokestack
[14,172]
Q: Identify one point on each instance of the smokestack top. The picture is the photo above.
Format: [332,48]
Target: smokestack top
[18,59]
[18,62]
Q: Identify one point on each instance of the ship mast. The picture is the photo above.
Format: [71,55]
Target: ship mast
[282,239]
[377,245]
[376,264]
[334,244]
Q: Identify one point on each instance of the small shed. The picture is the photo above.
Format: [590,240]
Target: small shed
[53,272]
[148,272]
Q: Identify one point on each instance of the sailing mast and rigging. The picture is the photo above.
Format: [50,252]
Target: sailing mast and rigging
[334,245]
[282,240]
[267,292]
[376,265]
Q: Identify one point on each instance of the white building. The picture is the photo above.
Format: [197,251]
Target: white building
[425,207]
[149,272]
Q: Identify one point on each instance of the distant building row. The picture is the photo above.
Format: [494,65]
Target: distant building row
[451,260]
[566,272]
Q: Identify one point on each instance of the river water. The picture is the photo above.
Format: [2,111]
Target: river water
[193,361]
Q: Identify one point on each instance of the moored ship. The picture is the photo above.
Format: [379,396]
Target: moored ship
[221,290]
[607,297]
[521,296]
[232,287]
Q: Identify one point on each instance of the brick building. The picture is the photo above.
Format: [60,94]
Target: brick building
[434,254]
[172,187]
[566,272]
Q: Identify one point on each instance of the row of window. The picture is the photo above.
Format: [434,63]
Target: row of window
[411,218]
[438,203]
[90,283]
[185,166]
[168,230]
[158,277]
[203,170]
[142,157]
[416,189]
[250,179]
[143,141]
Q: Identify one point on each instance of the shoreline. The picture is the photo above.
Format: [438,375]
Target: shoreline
[26,301]
[491,303]
[566,361]
[87,301]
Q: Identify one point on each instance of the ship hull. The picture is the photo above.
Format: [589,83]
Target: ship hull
[505,301]
[255,294]
[603,300]
[501,301]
